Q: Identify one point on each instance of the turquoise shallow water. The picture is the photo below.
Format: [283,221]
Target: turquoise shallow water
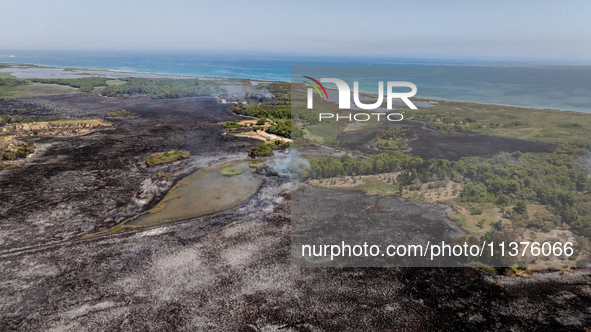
[564,88]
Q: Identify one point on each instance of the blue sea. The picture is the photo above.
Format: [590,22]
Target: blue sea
[517,83]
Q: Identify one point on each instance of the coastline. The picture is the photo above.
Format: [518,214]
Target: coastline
[99,71]
[135,73]
[78,72]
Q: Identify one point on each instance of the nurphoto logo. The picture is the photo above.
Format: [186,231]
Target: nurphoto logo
[345,93]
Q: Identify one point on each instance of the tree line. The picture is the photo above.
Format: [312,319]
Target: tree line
[557,180]
[263,111]
[281,129]
[85,84]
[163,88]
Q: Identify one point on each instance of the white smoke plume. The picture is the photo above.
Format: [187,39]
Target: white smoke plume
[242,92]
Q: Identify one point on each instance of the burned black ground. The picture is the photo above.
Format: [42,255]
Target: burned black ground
[429,143]
[83,184]
[232,271]
[229,271]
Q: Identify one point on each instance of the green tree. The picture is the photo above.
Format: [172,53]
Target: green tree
[497,225]
[520,208]
[584,226]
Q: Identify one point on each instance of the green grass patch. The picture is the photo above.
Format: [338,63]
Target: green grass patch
[166,157]
[119,113]
[35,90]
[328,130]
[115,82]
[459,219]
[379,188]
[231,171]
[551,126]
[119,229]
[233,124]
[8,86]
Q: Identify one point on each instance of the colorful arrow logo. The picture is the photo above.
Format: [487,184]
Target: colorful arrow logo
[315,87]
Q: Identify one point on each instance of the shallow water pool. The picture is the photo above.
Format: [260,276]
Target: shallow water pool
[204,192]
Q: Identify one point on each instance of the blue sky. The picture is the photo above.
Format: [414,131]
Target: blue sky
[512,30]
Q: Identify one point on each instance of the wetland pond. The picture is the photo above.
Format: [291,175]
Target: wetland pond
[203,192]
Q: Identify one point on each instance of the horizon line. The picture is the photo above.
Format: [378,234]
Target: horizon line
[381,56]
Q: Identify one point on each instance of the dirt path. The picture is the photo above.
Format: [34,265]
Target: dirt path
[262,135]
